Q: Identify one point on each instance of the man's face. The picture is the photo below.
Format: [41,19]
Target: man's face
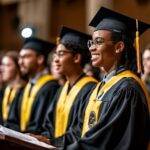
[63,60]
[146,61]
[9,69]
[103,50]
[28,61]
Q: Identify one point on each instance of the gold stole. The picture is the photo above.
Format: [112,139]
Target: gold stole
[28,100]
[8,98]
[94,104]
[65,103]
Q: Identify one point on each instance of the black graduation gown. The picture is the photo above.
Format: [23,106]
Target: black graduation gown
[11,121]
[42,101]
[74,126]
[123,120]
[1,99]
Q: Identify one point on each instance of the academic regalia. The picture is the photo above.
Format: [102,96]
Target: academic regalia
[10,96]
[1,98]
[122,122]
[12,122]
[73,129]
[60,124]
[116,115]
[38,92]
[41,102]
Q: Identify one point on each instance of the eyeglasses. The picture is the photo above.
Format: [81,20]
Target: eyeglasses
[97,42]
[61,53]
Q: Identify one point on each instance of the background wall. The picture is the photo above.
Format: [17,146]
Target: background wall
[46,16]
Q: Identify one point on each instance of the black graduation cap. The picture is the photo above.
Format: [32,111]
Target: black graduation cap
[114,21]
[38,45]
[107,19]
[76,39]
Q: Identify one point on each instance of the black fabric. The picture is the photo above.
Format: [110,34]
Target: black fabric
[123,121]
[1,99]
[12,122]
[74,126]
[38,45]
[76,39]
[42,100]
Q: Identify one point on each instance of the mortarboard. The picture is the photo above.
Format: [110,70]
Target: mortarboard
[107,19]
[114,21]
[38,45]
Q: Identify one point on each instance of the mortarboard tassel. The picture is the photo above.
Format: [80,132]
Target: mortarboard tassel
[58,40]
[138,53]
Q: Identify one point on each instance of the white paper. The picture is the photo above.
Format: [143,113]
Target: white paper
[23,137]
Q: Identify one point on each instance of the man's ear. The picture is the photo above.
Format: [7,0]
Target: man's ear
[119,47]
[40,59]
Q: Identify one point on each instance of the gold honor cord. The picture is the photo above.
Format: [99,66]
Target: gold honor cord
[65,103]
[28,100]
[8,98]
[94,104]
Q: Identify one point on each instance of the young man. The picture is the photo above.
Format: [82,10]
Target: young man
[116,116]
[41,87]
[69,59]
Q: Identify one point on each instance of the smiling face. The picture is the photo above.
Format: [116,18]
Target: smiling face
[63,61]
[103,50]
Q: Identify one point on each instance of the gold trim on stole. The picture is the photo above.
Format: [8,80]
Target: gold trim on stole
[65,103]
[8,98]
[94,105]
[27,101]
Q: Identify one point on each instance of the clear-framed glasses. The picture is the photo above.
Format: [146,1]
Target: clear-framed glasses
[97,42]
[61,53]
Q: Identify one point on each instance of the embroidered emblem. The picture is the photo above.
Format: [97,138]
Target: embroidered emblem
[92,119]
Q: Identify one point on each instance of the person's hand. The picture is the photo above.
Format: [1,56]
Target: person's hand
[41,138]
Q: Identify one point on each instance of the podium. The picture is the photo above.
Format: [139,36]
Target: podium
[13,140]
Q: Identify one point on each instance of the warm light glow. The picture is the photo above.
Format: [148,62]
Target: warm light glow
[26,32]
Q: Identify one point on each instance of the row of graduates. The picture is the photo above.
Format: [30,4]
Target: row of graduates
[83,113]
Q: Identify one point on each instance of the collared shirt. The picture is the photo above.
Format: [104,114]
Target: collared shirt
[38,75]
[113,73]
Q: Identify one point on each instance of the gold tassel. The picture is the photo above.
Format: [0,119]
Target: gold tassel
[138,53]
[58,40]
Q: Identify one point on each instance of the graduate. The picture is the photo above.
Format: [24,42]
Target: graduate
[116,116]
[41,87]
[14,85]
[69,59]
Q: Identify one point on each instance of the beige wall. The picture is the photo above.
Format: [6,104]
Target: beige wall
[69,13]
[48,15]
[92,6]
[35,13]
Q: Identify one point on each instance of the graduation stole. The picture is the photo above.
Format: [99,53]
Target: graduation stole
[65,103]
[8,98]
[94,105]
[28,99]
